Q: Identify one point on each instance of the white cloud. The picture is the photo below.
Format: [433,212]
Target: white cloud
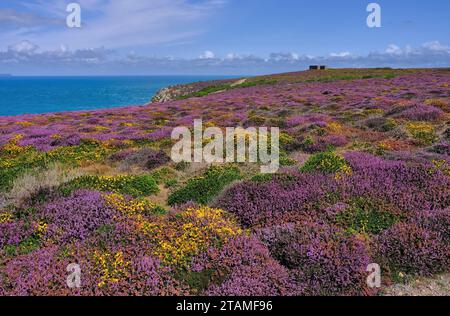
[25,47]
[284,57]
[342,54]
[207,55]
[231,56]
[394,50]
[436,46]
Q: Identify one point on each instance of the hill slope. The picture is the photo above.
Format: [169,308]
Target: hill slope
[364,179]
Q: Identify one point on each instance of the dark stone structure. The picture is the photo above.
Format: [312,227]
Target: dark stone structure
[317,67]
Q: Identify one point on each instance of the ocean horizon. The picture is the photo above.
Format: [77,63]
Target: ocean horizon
[49,94]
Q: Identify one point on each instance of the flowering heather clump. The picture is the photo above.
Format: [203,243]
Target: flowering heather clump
[408,187]
[121,155]
[410,248]
[39,273]
[102,274]
[147,277]
[394,184]
[422,113]
[437,221]
[244,267]
[12,233]
[76,217]
[157,159]
[321,257]
[439,103]
[262,204]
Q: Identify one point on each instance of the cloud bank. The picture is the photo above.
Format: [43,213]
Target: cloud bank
[27,58]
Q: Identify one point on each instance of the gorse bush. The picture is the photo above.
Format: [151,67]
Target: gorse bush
[133,206]
[424,132]
[204,188]
[181,237]
[135,186]
[326,162]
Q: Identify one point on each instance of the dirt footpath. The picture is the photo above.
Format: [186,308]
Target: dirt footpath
[438,286]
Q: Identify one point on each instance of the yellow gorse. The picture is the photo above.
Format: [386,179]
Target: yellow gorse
[129,207]
[112,267]
[334,127]
[191,232]
[6,217]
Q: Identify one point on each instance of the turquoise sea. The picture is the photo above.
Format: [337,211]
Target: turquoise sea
[30,95]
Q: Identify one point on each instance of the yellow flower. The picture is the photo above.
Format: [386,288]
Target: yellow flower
[334,127]
[5,217]
[129,207]
[24,123]
[192,231]
[344,171]
[41,227]
[128,124]
[112,267]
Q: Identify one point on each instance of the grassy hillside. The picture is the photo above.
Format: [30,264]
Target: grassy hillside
[365,175]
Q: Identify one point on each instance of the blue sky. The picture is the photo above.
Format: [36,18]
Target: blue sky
[219,36]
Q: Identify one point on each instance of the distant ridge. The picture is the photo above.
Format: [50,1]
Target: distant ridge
[5,75]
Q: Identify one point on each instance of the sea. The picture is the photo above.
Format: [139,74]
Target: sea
[34,95]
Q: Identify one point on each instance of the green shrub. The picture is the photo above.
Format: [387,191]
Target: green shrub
[279,177]
[367,217]
[327,162]
[206,91]
[285,160]
[263,177]
[170,183]
[136,186]
[202,189]
[254,83]
[163,174]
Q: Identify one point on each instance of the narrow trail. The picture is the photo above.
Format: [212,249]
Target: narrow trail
[437,286]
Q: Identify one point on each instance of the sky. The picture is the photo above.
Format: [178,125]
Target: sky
[219,37]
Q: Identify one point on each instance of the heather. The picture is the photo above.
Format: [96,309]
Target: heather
[244,267]
[364,178]
[320,257]
[411,248]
